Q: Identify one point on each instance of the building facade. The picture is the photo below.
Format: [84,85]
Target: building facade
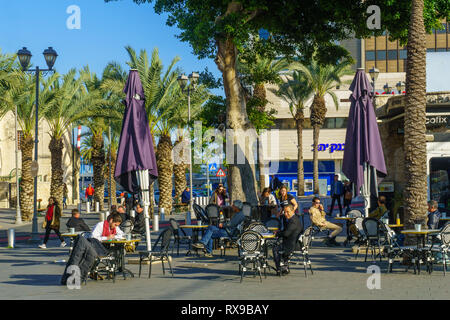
[8,163]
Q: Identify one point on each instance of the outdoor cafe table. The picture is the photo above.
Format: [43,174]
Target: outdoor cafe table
[268,236]
[72,236]
[195,230]
[118,247]
[420,235]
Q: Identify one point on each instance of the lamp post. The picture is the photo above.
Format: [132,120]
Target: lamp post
[24,58]
[400,86]
[387,88]
[185,87]
[374,72]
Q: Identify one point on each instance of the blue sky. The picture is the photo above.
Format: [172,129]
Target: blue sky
[106,28]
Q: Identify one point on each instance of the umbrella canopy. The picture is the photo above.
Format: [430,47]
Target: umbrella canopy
[136,150]
[363,153]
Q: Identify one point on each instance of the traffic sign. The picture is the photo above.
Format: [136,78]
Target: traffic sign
[212,166]
[220,173]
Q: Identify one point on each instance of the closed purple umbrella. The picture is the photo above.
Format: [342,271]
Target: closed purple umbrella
[136,150]
[136,162]
[363,153]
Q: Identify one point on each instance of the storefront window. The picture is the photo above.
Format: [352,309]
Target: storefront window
[439,182]
[370,55]
[381,54]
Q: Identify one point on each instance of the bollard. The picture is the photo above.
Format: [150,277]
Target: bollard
[155,222]
[97,206]
[11,238]
[88,207]
[102,215]
[79,207]
[161,212]
[188,218]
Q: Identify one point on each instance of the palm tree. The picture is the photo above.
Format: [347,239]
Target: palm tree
[22,95]
[71,105]
[163,95]
[295,91]
[98,121]
[322,79]
[415,192]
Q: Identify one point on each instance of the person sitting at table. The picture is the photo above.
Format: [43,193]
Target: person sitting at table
[76,222]
[186,196]
[433,215]
[317,215]
[219,196]
[108,229]
[381,210]
[267,199]
[139,219]
[289,237]
[223,230]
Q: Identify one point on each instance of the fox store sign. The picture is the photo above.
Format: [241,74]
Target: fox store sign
[332,147]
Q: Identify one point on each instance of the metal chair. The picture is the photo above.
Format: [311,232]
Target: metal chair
[200,214]
[304,243]
[372,230]
[180,236]
[212,213]
[250,252]
[392,249]
[161,255]
[443,247]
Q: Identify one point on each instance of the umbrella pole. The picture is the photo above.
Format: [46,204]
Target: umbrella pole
[144,184]
[366,193]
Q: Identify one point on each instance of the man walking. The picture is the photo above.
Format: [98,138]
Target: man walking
[337,189]
[89,193]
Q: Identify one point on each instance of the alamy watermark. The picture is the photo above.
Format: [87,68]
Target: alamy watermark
[74,280]
[374,280]
[74,20]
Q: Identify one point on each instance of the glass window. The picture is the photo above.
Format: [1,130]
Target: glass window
[392,55]
[381,55]
[431,50]
[402,54]
[307,124]
[439,182]
[441,50]
[341,123]
[308,185]
[370,55]
[329,123]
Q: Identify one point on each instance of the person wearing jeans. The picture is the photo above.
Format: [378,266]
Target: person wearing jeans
[337,189]
[222,230]
[51,222]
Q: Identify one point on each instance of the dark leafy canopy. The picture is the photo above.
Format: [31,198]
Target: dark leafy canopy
[295,26]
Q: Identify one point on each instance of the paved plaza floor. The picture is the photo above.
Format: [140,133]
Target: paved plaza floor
[28,272]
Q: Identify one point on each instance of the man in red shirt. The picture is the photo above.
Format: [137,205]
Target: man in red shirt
[89,193]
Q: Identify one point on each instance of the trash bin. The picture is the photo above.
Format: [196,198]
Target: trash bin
[11,238]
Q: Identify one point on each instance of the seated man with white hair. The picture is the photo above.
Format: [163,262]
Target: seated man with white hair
[214,232]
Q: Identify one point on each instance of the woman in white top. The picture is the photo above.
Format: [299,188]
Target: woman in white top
[108,229]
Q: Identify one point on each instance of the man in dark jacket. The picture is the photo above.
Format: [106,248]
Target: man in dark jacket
[337,190]
[289,237]
[76,222]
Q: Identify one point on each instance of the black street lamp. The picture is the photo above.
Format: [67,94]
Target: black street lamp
[192,86]
[50,56]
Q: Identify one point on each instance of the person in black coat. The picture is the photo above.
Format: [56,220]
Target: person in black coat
[76,222]
[288,237]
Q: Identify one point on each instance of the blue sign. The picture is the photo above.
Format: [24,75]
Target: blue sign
[331,147]
[212,166]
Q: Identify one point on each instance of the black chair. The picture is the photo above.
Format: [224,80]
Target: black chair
[200,214]
[250,253]
[443,246]
[161,255]
[247,210]
[361,237]
[180,236]
[212,213]
[258,227]
[393,250]
[372,230]
[303,245]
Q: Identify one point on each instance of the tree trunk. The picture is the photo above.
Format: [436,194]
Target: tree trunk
[98,163]
[262,183]
[26,181]
[165,171]
[179,171]
[318,112]
[241,176]
[415,192]
[300,170]
[56,185]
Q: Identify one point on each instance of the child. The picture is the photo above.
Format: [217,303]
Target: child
[76,222]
